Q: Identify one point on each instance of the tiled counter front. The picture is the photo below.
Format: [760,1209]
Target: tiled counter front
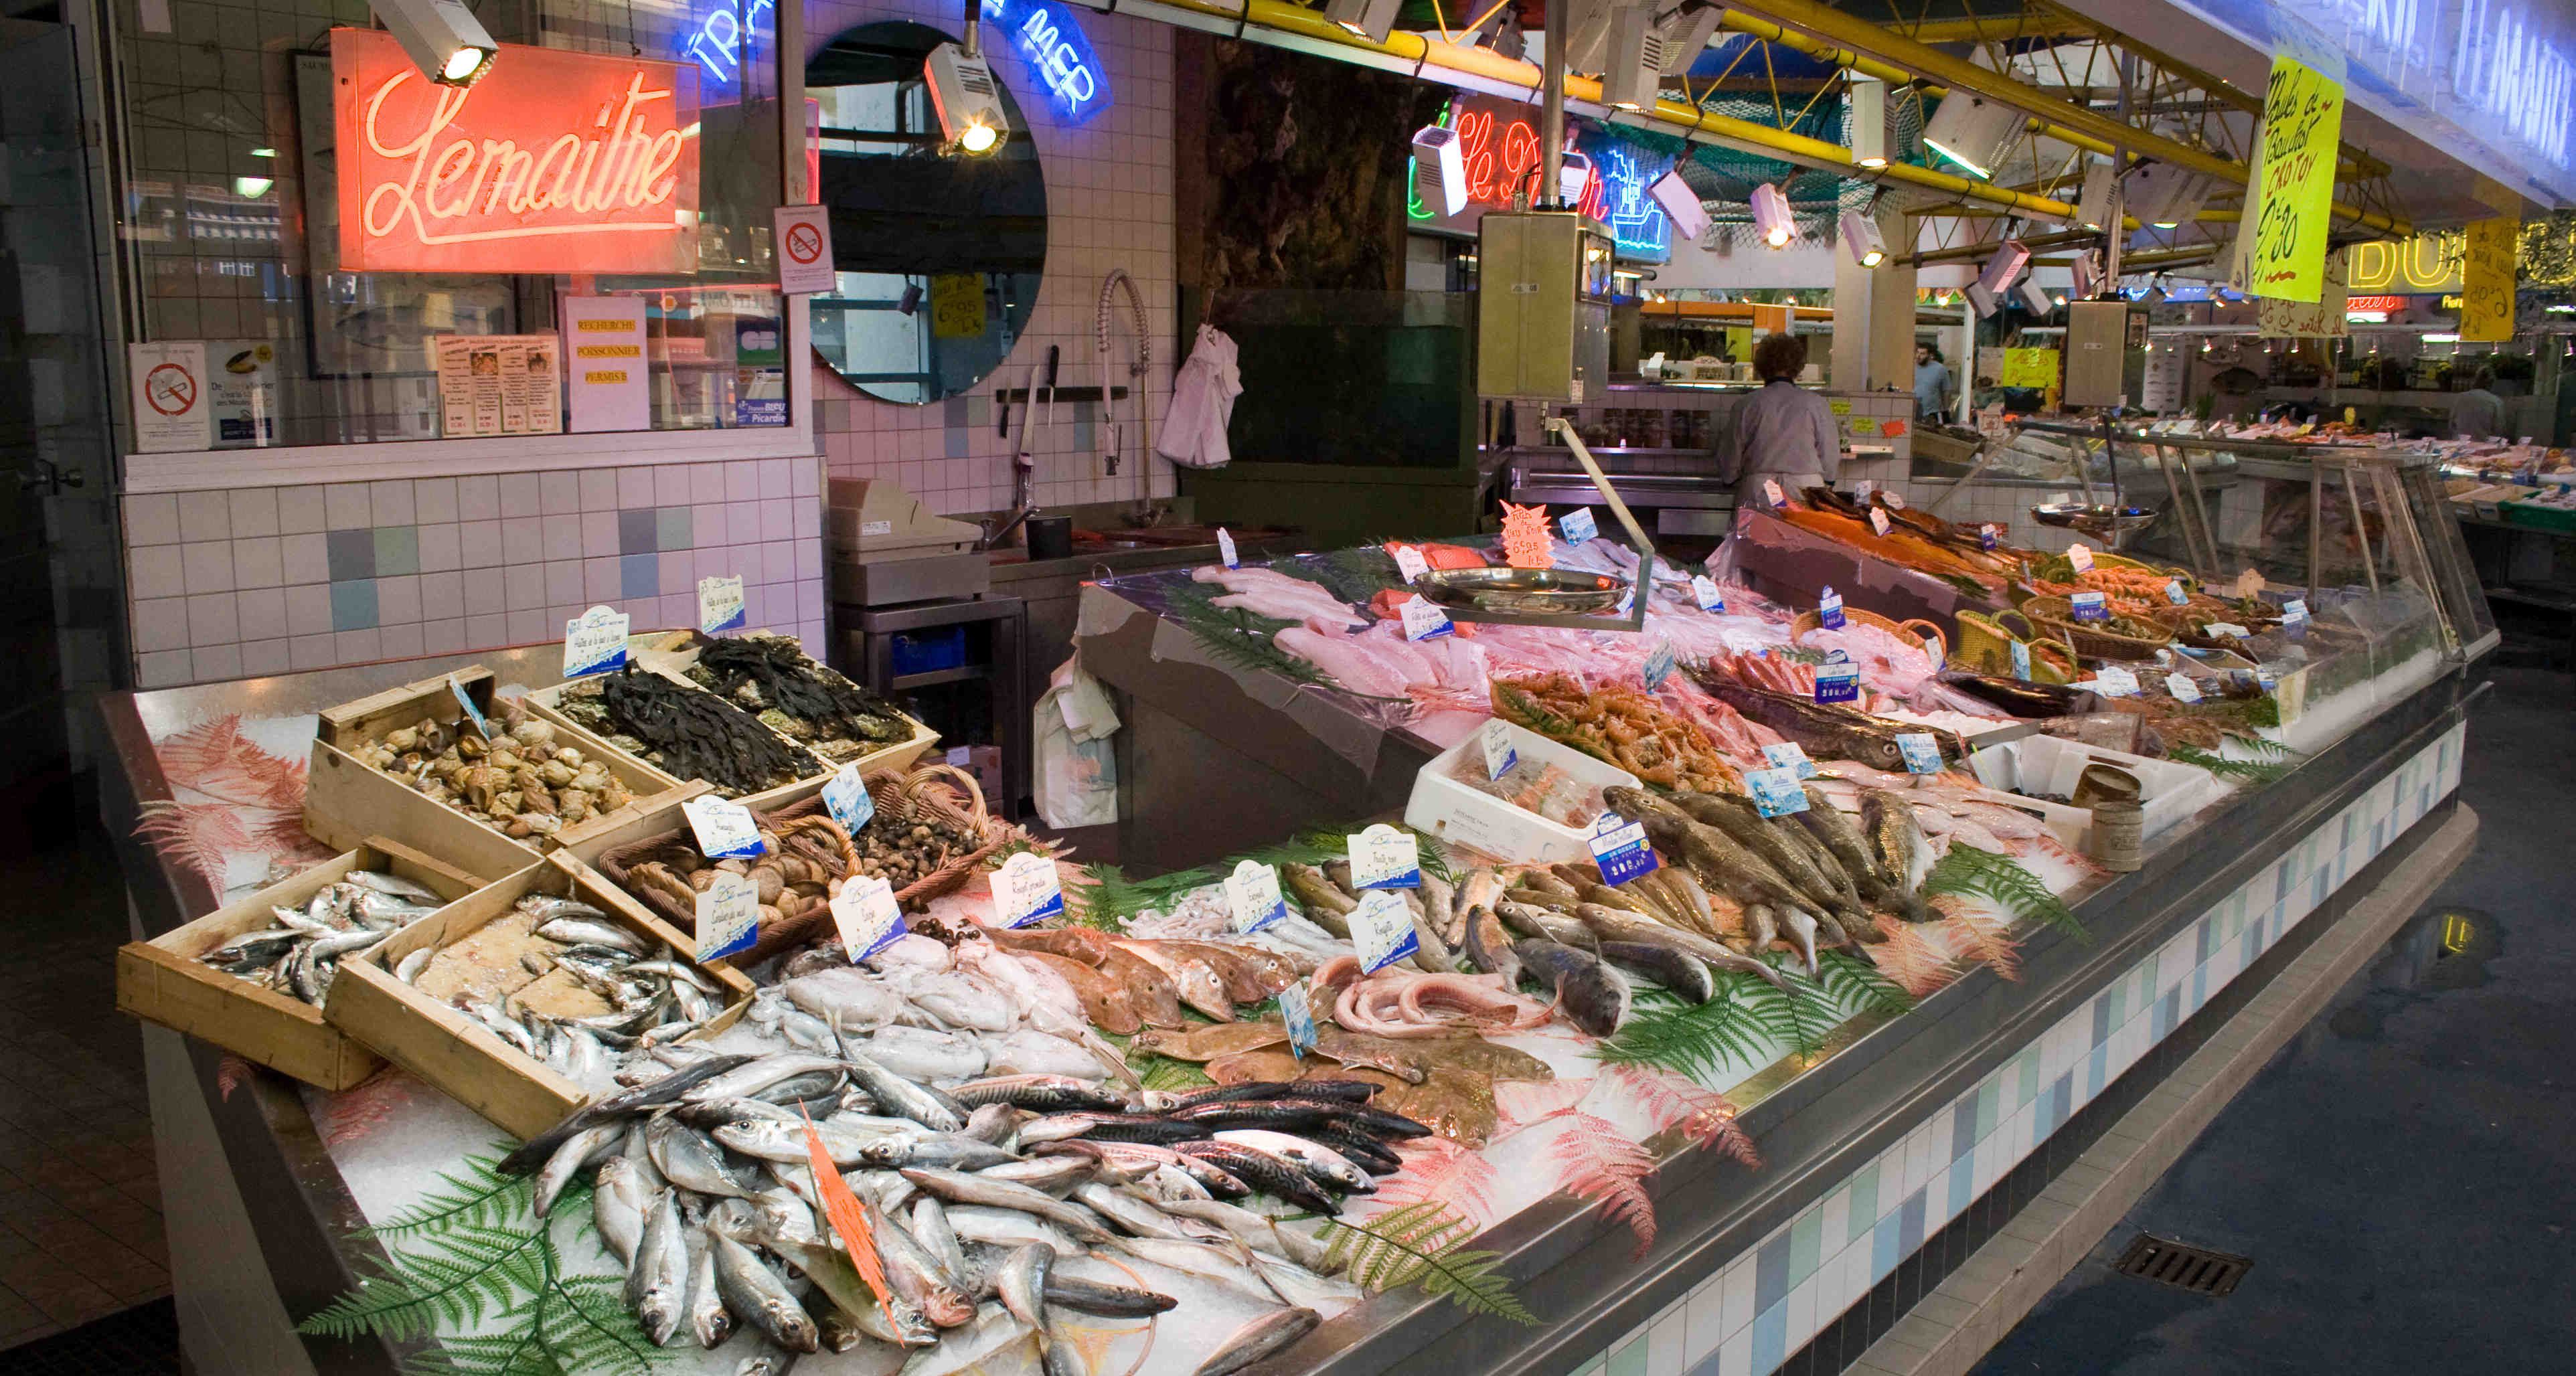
[1750,1316]
[273,580]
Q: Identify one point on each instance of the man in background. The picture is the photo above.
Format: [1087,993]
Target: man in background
[2478,413]
[1932,388]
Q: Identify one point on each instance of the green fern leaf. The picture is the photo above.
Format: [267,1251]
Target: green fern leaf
[2257,772]
[1698,1041]
[1999,879]
[1857,985]
[1419,1244]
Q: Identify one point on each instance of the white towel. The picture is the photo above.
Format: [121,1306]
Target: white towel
[1202,402]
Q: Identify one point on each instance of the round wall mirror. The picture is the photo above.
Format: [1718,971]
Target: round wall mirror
[938,254]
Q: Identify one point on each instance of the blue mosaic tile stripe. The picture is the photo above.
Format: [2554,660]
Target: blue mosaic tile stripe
[1746,1317]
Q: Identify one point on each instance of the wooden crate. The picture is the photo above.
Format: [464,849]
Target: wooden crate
[545,703]
[462,1057]
[162,980]
[676,663]
[345,800]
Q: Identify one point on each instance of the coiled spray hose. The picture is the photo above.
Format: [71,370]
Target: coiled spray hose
[1103,318]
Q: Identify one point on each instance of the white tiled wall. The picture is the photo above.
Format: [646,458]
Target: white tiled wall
[1109,205]
[1748,1316]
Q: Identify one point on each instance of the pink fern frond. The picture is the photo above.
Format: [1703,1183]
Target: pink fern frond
[1910,956]
[1594,1162]
[194,836]
[1984,936]
[1438,1168]
[1520,1103]
[230,1072]
[200,749]
[1705,1116]
[364,1106]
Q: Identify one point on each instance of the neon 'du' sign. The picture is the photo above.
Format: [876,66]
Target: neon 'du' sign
[1059,56]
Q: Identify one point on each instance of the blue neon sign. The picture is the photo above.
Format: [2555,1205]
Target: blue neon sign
[722,41]
[1058,55]
[1625,171]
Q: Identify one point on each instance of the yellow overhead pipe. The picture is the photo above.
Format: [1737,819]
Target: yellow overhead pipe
[2002,26]
[1841,33]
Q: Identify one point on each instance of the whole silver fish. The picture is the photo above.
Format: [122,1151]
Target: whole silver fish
[935,1151]
[1021,1279]
[995,1331]
[963,1188]
[1011,1228]
[1136,1215]
[394,885]
[833,1273]
[916,1274]
[742,1082]
[657,1284]
[992,1123]
[1057,1175]
[756,1294]
[585,1149]
[1203,1260]
[709,1321]
[929,1223]
[772,1139]
[1254,1230]
[901,1096]
[590,927]
[1303,1288]
[1272,1332]
[618,1199]
[1328,1166]
[687,1159]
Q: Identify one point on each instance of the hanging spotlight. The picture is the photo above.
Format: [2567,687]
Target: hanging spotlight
[1860,235]
[1681,204]
[2006,265]
[2156,292]
[1440,170]
[2033,299]
[1369,19]
[1587,33]
[1980,300]
[968,101]
[1687,31]
[1573,178]
[1866,98]
[1635,65]
[450,44]
[1972,131]
[2088,273]
[2164,195]
[2093,207]
[1772,217]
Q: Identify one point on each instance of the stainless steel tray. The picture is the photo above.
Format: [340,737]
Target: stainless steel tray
[1523,590]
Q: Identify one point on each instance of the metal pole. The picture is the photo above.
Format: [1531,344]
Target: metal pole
[1551,119]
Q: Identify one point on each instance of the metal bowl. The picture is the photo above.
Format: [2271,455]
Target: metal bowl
[1523,590]
[2099,521]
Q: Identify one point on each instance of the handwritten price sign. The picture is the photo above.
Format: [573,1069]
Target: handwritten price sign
[2302,129]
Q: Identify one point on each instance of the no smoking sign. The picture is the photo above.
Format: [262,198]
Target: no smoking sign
[170,389]
[805,249]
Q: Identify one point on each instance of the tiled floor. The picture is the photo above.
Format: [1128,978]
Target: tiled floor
[80,1205]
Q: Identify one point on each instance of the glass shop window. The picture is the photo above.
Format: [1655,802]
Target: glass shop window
[348,251]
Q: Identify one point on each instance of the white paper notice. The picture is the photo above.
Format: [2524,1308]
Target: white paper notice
[720,605]
[595,642]
[243,390]
[170,401]
[866,914]
[804,248]
[724,828]
[728,915]
[604,353]
[1026,889]
[1252,892]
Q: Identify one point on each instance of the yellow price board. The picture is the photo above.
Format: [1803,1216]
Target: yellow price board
[2030,368]
[2302,129]
[2486,280]
[956,305]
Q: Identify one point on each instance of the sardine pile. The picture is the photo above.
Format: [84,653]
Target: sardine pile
[300,955]
[569,986]
[987,1201]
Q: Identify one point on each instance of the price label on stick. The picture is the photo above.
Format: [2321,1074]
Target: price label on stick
[2089,606]
[1495,739]
[2112,682]
[1791,756]
[1577,525]
[1252,892]
[2184,687]
[2174,592]
[1225,549]
[724,827]
[1861,490]
[1878,520]
[2021,660]
[728,915]
[1771,493]
[1659,665]
[1383,857]
[1704,592]
[1300,1017]
[2079,556]
[865,912]
[1026,890]
[465,703]
[1619,848]
[1829,609]
[1423,621]
[594,642]
[1894,499]
[1922,751]
[1988,537]
[1776,792]
[720,605]
[2220,628]
[848,799]
[1837,681]
[1382,930]
[1409,563]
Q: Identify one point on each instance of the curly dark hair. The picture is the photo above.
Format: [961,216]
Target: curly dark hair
[1782,355]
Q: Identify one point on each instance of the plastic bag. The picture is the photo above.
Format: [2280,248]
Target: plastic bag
[1077,766]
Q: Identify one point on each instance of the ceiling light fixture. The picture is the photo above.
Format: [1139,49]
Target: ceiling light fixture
[1369,19]
[1772,216]
[1635,66]
[967,99]
[1860,235]
[1972,131]
[1866,99]
[1440,170]
[1681,204]
[444,38]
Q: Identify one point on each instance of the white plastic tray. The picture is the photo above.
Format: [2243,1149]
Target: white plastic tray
[1461,816]
[2047,765]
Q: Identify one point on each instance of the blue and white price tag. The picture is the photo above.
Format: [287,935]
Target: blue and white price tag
[724,828]
[1791,756]
[728,915]
[1878,521]
[1861,490]
[1423,621]
[1704,592]
[1776,792]
[720,605]
[2174,592]
[1772,494]
[865,912]
[1409,563]
[1300,1017]
[2079,556]
[2184,687]
[1225,549]
[2294,610]
[1829,610]
[465,701]
[1659,665]
[594,642]
[2021,661]
[1837,680]
[2089,606]
[1026,890]
[2219,628]
[848,799]
[1577,525]
[1922,752]
[1383,857]
[1987,537]
[1252,893]
[1382,931]
[1495,740]
[2112,682]
[1619,848]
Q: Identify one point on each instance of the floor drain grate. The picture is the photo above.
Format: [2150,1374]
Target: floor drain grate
[2196,1269]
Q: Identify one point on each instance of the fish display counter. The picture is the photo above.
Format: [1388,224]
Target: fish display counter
[1717,986]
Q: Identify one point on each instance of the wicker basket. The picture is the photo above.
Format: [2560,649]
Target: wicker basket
[1915,630]
[936,792]
[1985,646]
[2056,616]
